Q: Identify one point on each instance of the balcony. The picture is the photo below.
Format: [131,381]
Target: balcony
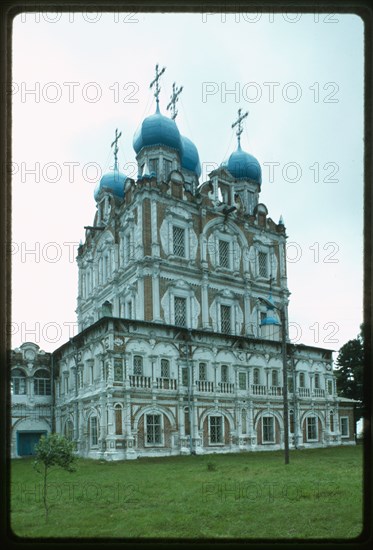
[166,383]
[138,381]
[317,392]
[304,392]
[258,389]
[204,386]
[225,387]
[275,390]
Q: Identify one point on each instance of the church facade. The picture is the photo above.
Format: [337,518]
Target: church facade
[179,350]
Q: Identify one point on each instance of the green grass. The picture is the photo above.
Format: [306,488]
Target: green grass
[246,495]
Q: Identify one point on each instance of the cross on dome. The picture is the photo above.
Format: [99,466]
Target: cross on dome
[156,83]
[115,143]
[239,124]
[174,98]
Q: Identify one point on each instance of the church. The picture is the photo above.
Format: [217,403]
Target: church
[182,313]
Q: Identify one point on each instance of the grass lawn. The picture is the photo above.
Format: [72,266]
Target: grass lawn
[246,495]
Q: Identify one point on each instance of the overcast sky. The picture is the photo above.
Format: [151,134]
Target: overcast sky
[78,76]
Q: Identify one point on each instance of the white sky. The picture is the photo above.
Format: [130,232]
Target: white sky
[315,118]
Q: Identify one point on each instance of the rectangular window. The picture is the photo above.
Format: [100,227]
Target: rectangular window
[118,370]
[263,264]
[225,319]
[301,380]
[256,376]
[91,374]
[66,384]
[274,378]
[268,429]
[202,371]
[93,428]
[330,387]
[224,254]
[344,426]
[19,385]
[331,421]
[184,376]
[153,429]
[153,166]
[167,167]
[317,381]
[291,421]
[118,421]
[216,429]
[138,365]
[165,368]
[178,235]
[42,386]
[242,382]
[224,373]
[312,428]
[180,311]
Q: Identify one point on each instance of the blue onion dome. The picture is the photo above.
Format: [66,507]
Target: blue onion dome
[157,129]
[113,182]
[242,165]
[190,158]
[270,319]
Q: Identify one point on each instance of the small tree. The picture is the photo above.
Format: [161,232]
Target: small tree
[53,450]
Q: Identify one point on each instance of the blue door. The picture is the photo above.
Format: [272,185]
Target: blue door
[27,442]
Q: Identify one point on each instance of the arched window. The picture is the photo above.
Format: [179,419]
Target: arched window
[291,421]
[93,430]
[224,373]
[244,421]
[42,383]
[69,430]
[165,368]
[18,382]
[331,417]
[118,420]
[301,380]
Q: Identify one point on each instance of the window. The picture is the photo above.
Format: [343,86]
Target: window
[274,378]
[66,384]
[128,248]
[317,381]
[291,421]
[290,384]
[242,382]
[330,387]
[180,311]
[224,254]
[184,376]
[178,234]
[18,382]
[256,376]
[129,309]
[118,420]
[216,429]
[268,429]
[138,365]
[69,430]
[167,167]
[153,429]
[344,426]
[42,383]
[225,319]
[244,421]
[153,166]
[93,425]
[202,371]
[263,264]
[331,421]
[312,428]
[165,368]
[224,373]
[91,374]
[301,380]
[118,370]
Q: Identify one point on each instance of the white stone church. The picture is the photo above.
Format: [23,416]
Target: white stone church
[179,346]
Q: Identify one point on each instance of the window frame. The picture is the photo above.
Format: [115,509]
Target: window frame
[308,419]
[134,366]
[229,321]
[43,382]
[347,420]
[272,428]
[146,430]
[165,363]
[210,428]
[261,254]
[228,263]
[177,227]
[242,376]
[93,433]
[177,299]
[15,380]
